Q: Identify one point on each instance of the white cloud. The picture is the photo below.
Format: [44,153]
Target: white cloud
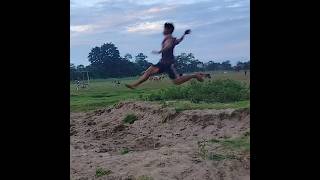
[235,5]
[146,27]
[81,28]
[155,27]
[158,9]
[215,8]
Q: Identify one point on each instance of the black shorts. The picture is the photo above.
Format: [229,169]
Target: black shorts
[167,69]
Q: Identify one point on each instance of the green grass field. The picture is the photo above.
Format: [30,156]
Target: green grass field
[103,92]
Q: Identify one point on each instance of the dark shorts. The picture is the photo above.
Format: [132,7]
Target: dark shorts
[165,68]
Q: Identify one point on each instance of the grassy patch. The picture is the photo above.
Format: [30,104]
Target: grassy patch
[218,150]
[102,92]
[241,143]
[219,157]
[130,118]
[101,172]
[188,105]
[124,151]
[210,91]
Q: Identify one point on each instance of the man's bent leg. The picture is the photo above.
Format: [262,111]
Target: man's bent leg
[185,78]
[151,70]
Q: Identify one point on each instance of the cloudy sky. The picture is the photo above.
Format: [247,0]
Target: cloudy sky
[220,28]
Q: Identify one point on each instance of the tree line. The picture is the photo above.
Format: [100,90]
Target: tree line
[106,62]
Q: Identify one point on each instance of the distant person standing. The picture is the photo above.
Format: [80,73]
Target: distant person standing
[245,72]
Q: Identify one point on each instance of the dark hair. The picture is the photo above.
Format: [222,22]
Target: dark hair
[169,26]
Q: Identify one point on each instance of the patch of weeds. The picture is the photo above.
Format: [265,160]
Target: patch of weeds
[144,177]
[214,141]
[227,146]
[124,151]
[140,96]
[219,157]
[163,104]
[241,143]
[203,151]
[130,118]
[101,172]
[179,110]
[216,157]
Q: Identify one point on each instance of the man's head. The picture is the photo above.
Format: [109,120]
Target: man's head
[168,28]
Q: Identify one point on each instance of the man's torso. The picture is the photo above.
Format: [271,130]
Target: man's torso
[167,55]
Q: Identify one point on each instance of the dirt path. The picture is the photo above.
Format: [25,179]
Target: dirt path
[162,144]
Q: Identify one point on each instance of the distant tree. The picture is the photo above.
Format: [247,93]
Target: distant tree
[188,63]
[226,65]
[141,61]
[242,65]
[247,65]
[72,72]
[106,62]
[80,67]
[212,66]
[128,56]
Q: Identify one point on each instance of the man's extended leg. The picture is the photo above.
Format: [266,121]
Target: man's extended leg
[151,70]
[185,78]
[178,79]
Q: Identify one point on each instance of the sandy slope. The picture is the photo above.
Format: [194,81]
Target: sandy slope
[163,144]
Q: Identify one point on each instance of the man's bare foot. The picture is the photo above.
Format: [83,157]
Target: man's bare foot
[129,86]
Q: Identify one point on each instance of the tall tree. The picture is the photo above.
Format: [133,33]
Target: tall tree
[187,63]
[141,61]
[105,61]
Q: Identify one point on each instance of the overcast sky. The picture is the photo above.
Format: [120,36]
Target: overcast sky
[220,28]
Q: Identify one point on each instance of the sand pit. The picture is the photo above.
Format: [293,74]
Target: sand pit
[161,144]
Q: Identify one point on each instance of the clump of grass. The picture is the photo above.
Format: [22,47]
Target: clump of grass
[214,91]
[228,146]
[130,118]
[219,157]
[144,177]
[101,172]
[124,151]
[241,143]
[203,151]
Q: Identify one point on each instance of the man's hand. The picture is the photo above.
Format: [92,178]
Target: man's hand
[188,31]
[155,52]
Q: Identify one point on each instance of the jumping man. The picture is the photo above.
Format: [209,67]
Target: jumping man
[166,64]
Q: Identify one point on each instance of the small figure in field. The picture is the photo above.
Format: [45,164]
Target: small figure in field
[166,63]
[77,84]
[245,72]
[117,83]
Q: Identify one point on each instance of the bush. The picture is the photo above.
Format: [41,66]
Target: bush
[213,91]
[124,151]
[101,172]
[130,118]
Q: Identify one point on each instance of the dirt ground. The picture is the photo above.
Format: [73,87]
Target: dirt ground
[162,144]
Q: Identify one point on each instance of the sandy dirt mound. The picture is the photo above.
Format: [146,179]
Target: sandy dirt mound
[162,143]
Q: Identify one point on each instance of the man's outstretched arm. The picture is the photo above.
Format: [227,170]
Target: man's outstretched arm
[185,33]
